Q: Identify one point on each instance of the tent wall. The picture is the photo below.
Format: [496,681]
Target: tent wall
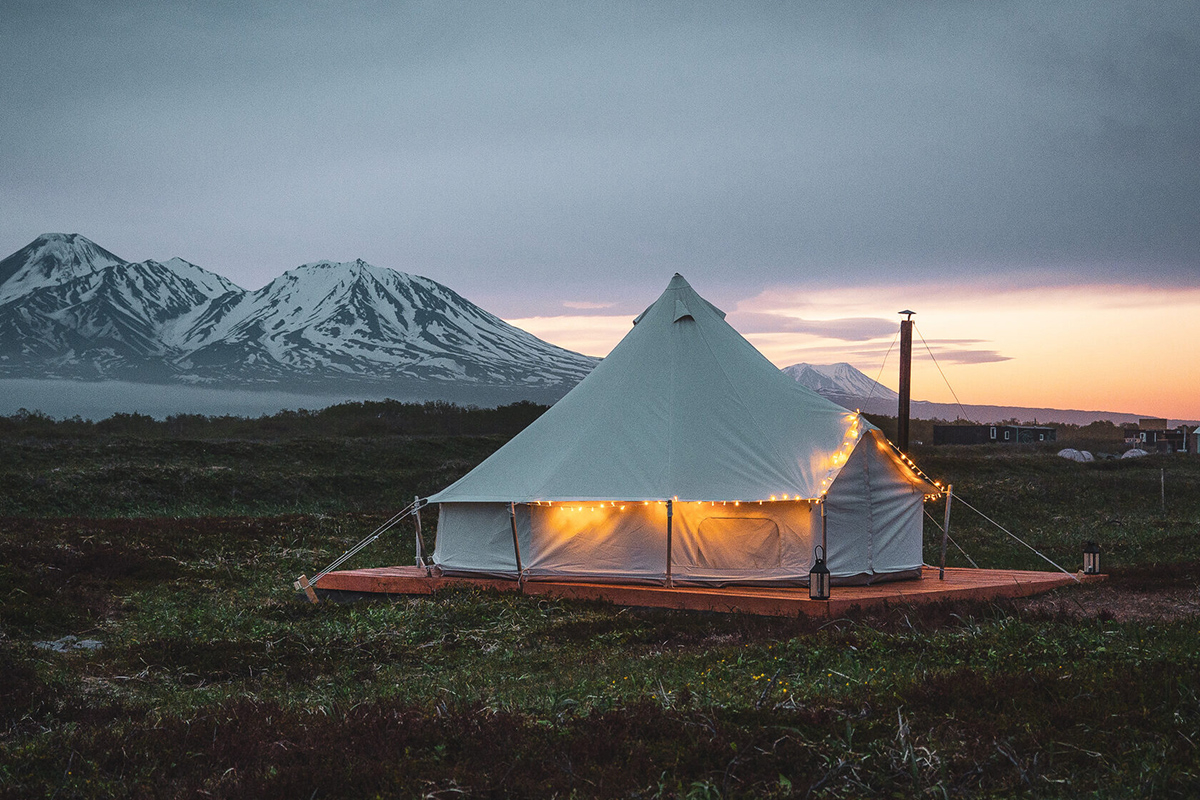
[595,540]
[874,529]
[476,538]
[711,543]
[874,517]
[748,543]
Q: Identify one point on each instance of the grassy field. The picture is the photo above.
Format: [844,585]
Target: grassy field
[175,552]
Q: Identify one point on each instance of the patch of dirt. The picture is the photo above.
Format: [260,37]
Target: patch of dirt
[1111,600]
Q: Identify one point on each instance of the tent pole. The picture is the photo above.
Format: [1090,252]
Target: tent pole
[670,513]
[512,515]
[420,540]
[946,531]
[824,545]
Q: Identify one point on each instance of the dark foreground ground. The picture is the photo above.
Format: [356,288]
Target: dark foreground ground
[196,671]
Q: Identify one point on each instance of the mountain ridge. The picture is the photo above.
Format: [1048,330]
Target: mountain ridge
[70,308]
[840,378]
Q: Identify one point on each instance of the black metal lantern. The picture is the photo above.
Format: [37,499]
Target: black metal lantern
[818,577]
[1091,558]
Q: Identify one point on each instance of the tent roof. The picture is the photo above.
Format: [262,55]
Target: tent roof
[683,407]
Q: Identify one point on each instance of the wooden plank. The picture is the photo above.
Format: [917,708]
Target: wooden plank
[309,592]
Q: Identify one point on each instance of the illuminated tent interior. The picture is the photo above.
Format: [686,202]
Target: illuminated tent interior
[685,423]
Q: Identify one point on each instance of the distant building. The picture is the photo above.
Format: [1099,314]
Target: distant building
[992,434]
[1153,436]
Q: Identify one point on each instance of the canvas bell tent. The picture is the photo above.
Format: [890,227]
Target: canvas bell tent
[687,457]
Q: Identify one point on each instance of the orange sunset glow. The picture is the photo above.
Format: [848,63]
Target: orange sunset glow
[1122,349]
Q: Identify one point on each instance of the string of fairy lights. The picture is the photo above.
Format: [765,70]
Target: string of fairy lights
[837,460]
[908,462]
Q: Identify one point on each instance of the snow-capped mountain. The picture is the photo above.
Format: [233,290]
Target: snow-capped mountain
[51,259]
[838,380]
[354,319]
[69,308]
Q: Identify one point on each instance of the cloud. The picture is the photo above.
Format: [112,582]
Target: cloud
[586,305]
[852,329]
[784,350]
[945,354]
[487,145]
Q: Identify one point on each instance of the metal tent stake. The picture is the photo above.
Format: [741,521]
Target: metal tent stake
[670,513]
[946,531]
[512,515]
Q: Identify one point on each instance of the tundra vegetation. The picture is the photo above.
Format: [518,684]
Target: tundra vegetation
[152,645]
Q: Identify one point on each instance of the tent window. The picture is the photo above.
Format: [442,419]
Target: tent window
[739,543]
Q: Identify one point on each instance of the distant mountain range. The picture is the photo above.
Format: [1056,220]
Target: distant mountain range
[850,388]
[71,309]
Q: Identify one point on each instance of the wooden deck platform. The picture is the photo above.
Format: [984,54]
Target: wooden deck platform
[960,584]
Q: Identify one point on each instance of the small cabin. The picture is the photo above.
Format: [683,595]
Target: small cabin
[1171,440]
[992,434]
[1153,436]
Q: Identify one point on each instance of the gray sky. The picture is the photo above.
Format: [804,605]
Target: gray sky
[531,154]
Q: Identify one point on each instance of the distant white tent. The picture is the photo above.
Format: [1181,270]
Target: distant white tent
[686,434]
[1135,452]
[1072,454]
